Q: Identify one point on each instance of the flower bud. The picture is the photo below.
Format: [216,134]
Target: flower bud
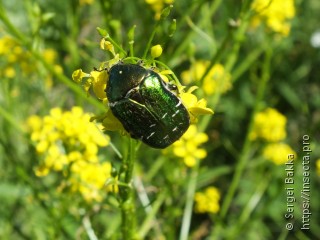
[156,51]
[165,12]
[172,27]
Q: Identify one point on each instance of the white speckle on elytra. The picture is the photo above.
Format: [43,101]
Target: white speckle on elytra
[175,113]
[179,103]
[151,135]
[164,115]
[120,72]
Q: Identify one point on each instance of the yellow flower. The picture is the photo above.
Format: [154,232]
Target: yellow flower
[99,83]
[275,13]
[187,147]
[156,51]
[49,55]
[278,152]
[207,201]
[269,125]
[41,171]
[9,72]
[97,79]
[6,45]
[218,80]
[318,166]
[107,45]
[69,139]
[111,123]
[34,122]
[77,75]
[194,107]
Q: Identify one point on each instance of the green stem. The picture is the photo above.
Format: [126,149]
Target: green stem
[7,116]
[115,44]
[250,206]
[149,221]
[238,37]
[248,61]
[244,155]
[173,75]
[181,48]
[217,56]
[187,214]
[236,33]
[126,193]
[150,40]
[10,27]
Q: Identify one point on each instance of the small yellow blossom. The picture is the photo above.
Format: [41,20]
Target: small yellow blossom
[107,45]
[279,153]
[275,13]
[111,123]
[99,83]
[194,106]
[318,166]
[187,147]
[9,72]
[156,51]
[49,55]
[42,171]
[218,80]
[269,125]
[207,201]
[69,139]
[78,75]
[97,79]
[163,74]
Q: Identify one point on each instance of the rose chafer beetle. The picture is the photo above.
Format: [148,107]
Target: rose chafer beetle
[146,106]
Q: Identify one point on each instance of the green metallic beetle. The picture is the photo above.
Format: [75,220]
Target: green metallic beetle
[146,105]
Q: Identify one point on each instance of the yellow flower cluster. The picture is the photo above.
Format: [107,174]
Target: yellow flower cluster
[218,80]
[187,147]
[158,5]
[275,13]
[14,54]
[68,143]
[207,201]
[270,126]
[278,152]
[89,178]
[18,58]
